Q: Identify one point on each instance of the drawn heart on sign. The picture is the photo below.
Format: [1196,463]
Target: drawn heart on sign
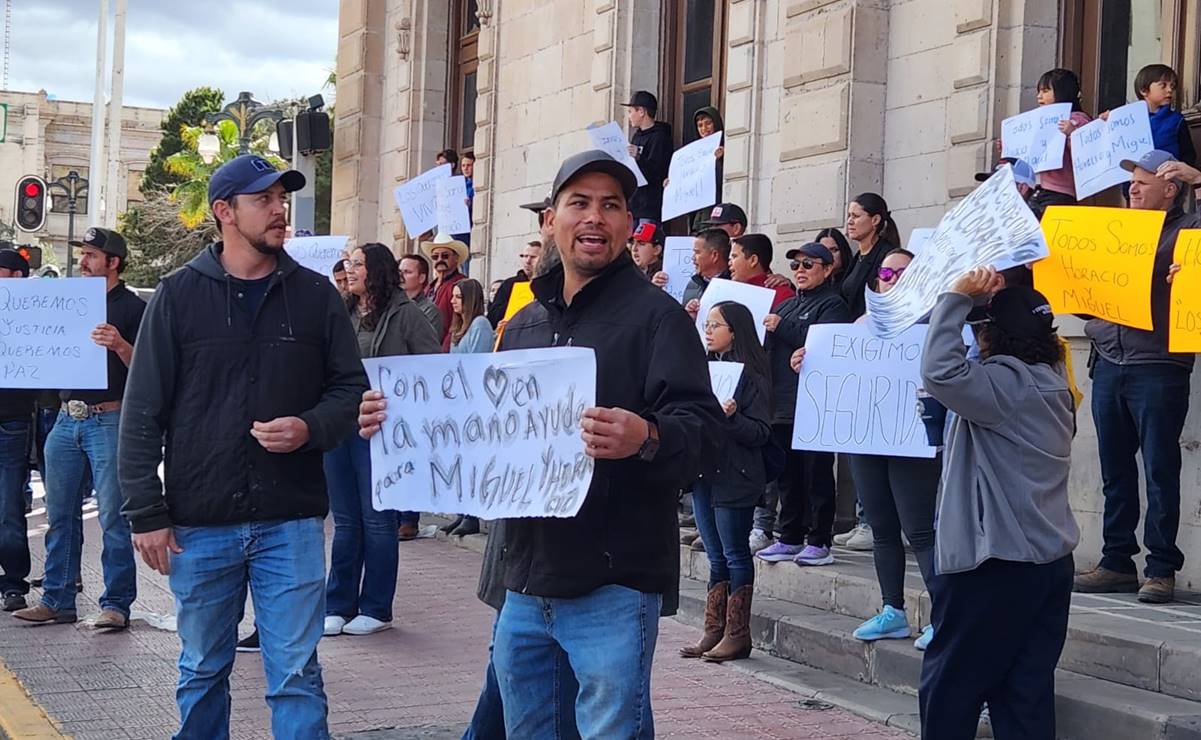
[496,382]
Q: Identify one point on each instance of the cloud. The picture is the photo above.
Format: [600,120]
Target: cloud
[275,50]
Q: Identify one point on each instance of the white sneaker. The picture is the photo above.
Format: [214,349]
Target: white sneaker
[333,626]
[841,539]
[860,539]
[759,540]
[365,625]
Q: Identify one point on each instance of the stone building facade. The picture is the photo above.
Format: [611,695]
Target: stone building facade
[49,138]
[822,100]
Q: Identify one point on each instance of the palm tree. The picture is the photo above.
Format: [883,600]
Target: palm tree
[191,196]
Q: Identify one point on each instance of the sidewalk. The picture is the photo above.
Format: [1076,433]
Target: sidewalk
[417,681]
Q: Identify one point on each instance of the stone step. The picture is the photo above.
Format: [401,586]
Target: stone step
[1087,706]
[1110,636]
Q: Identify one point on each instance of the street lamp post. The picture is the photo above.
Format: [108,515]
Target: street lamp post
[72,186]
[245,112]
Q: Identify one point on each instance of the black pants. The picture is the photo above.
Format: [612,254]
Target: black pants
[998,633]
[806,490]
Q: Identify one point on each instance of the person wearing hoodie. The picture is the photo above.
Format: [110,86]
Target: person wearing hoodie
[246,370]
[651,148]
[708,121]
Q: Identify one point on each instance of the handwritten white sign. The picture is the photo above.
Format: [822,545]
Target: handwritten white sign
[492,435]
[991,226]
[610,139]
[318,253]
[857,393]
[1099,147]
[1034,136]
[918,238]
[692,177]
[678,264]
[757,299]
[417,200]
[451,200]
[45,333]
[724,377]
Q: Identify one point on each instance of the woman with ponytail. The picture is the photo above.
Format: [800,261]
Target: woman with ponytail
[870,226]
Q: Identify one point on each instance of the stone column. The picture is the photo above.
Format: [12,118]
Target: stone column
[485,143]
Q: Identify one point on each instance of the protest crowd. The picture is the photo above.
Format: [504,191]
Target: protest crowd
[250,384]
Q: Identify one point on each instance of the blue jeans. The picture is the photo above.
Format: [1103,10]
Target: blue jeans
[1140,407]
[14,542]
[365,554]
[609,639]
[71,448]
[283,562]
[726,532]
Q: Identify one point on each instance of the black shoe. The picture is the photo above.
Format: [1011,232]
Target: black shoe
[448,528]
[250,643]
[469,525]
[13,601]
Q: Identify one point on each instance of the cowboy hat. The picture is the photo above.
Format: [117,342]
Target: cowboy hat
[449,242]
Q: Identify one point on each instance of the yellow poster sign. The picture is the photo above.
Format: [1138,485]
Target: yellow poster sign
[521,297]
[1184,319]
[1101,262]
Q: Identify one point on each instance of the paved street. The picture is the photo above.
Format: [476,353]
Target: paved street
[417,681]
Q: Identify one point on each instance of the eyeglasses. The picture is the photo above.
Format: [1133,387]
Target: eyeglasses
[713,325]
[888,274]
[807,264]
[353,264]
[442,256]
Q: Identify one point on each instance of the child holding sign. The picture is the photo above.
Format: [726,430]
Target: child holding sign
[1058,187]
[1156,85]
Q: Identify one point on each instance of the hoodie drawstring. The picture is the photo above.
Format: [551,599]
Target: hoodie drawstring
[229,315]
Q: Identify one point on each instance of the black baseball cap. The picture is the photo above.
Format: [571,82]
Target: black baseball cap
[593,160]
[106,240]
[11,259]
[250,173]
[812,249]
[642,99]
[537,206]
[725,213]
[1019,311]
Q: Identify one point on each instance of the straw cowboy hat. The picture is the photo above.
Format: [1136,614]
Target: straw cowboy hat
[449,242]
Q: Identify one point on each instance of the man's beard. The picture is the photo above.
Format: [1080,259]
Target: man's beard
[263,247]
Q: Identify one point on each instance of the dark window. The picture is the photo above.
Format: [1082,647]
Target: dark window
[698,41]
[467,137]
[693,62]
[465,60]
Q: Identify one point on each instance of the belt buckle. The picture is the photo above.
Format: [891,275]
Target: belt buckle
[78,410]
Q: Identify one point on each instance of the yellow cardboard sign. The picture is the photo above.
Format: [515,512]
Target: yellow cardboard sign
[522,296]
[1101,262]
[1184,318]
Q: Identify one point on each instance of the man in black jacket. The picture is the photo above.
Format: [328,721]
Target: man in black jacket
[246,370]
[651,148]
[528,256]
[16,411]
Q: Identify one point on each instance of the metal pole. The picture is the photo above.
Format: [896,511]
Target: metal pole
[70,230]
[111,194]
[97,166]
[304,201]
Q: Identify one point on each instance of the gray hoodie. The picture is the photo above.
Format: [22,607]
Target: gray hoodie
[1004,490]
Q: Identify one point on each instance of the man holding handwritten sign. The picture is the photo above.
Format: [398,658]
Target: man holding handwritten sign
[1140,392]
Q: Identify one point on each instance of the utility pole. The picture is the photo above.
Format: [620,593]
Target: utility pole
[111,182]
[96,165]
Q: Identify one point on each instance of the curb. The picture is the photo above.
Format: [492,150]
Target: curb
[20,714]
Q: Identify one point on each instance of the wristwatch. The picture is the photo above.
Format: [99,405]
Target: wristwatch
[650,447]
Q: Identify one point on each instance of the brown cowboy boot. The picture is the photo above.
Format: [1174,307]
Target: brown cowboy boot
[715,621]
[736,643]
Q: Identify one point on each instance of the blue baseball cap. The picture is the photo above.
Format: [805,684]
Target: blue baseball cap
[1150,161]
[250,173]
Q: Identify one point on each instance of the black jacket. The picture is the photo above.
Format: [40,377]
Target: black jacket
[862,273]
[204,369]
[822,305]
[497,308]
[17,404]
[654,161]
[648,360]
[739,476]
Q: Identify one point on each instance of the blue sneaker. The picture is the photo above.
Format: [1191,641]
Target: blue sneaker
[779,552]
[890,624]
[923,642]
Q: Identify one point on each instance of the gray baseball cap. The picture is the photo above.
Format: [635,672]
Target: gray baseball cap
[593,160]
[1151,161]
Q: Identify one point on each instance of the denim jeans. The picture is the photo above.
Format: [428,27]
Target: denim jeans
[365,554]
[608,637]
[726,533]
[71,448]
[1140,407]
[14,542]
[283,563]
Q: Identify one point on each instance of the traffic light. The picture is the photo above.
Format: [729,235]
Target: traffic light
[33,255]
[31,203]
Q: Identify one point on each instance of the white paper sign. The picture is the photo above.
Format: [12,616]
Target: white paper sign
[610,139]
[493,435]
[917,239]
[45,333]
[417,199]
[1034,136]
[678,264]
[857,393]
[1099,147]
[451,200]
[692,177]
[757,299]
[318,253]
[991,226]
[724,377]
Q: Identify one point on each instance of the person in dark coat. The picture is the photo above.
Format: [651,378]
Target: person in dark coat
[651,147]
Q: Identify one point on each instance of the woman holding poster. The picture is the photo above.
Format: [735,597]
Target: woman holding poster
[365,553]
[723,500]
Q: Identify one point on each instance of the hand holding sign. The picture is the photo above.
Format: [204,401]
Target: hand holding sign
[613,434]
[610,139]
[417,200]
[1035,136]
[450,196]
[692,178]
[678,266]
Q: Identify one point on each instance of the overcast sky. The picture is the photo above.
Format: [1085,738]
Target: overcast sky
[273,49]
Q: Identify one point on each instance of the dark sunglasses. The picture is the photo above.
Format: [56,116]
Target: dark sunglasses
[807,264]
[887,274]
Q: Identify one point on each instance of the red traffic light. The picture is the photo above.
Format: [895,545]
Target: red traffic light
[33,189]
